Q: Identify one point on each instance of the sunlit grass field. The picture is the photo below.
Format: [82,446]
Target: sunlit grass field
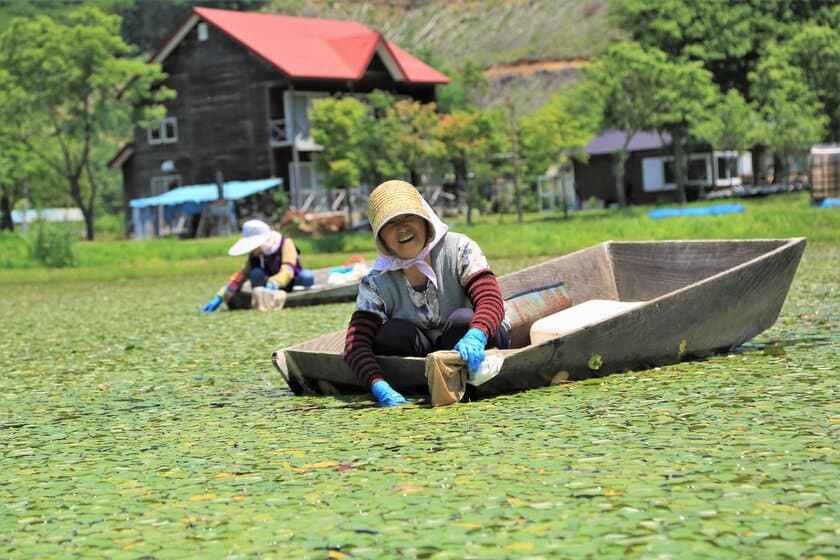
[132,426]
[501,237]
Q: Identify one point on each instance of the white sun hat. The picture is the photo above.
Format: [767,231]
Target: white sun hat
[254,234]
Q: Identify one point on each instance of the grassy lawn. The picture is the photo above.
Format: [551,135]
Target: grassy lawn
[135,427]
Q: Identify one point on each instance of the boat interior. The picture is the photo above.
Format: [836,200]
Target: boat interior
[623,272]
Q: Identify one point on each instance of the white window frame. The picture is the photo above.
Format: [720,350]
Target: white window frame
[159,184]
[202,31]
[291,118]
[157,133]
[653,172]
[728,180]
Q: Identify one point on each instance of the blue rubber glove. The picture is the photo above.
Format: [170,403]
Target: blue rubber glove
[212,305]
[386,395]
[471,348]
[272,286]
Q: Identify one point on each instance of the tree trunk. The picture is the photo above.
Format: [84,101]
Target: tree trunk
[679,163]
[780,174]
[87,209]
[619,159]
[414,177]
[460,168]
[759,171]
[88,214]
[784,169]
[348,192]
[6,223]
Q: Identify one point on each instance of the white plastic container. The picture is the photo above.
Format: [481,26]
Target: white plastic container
[578,316]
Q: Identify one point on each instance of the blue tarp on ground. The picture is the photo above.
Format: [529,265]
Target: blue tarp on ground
[706,211]
[234,190]
[829,203]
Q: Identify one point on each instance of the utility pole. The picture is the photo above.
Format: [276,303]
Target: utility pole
[514,134]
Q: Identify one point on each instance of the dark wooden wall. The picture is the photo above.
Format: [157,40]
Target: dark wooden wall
[596,178]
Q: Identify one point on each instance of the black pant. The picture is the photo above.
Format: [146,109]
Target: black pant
[400,337]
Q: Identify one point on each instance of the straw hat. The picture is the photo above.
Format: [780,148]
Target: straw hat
[391,199]
[254,234]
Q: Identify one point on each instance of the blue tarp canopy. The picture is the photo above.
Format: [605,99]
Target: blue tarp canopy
[173,212]
[234,190]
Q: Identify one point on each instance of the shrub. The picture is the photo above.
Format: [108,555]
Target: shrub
[52,246]
[109,226]
[13,251]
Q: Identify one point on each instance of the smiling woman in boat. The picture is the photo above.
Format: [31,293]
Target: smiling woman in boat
[430,289]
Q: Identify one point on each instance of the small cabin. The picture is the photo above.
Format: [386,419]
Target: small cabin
[649,170]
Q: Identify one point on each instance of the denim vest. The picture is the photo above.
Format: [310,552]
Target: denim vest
[430,308]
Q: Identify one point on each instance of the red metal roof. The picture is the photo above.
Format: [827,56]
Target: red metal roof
[309,47]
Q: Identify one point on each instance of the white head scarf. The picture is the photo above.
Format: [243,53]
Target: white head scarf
[271,245]
[386,262]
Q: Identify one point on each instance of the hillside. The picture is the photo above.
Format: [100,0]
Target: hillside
[528,49]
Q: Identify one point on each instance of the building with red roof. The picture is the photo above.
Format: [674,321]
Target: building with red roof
[244,82]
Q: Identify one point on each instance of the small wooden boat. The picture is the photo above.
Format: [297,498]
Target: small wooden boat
[322,291]
[672,301]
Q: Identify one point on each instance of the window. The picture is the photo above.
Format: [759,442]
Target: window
[163,131]
[164,183]
[297,106]
[669,172]
[697,172]
[659,172]
[727,166]
[202,31]
[278,132]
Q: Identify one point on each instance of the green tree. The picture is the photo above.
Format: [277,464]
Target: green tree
[22,173]
[815,50]
[792,113]
[54,9]
[78,89]
[341,126]
[12,157]
[728,39]
[471,140]
[377,135]
[561,128]
[628,79]
[732,124]
[459,94]
[408,129]
[686,101]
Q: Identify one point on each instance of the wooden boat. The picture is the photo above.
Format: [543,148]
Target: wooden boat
[692,299]
[323,292]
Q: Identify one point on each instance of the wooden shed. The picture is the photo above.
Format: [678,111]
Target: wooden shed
[649,169]
[825,172]
[244,82]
